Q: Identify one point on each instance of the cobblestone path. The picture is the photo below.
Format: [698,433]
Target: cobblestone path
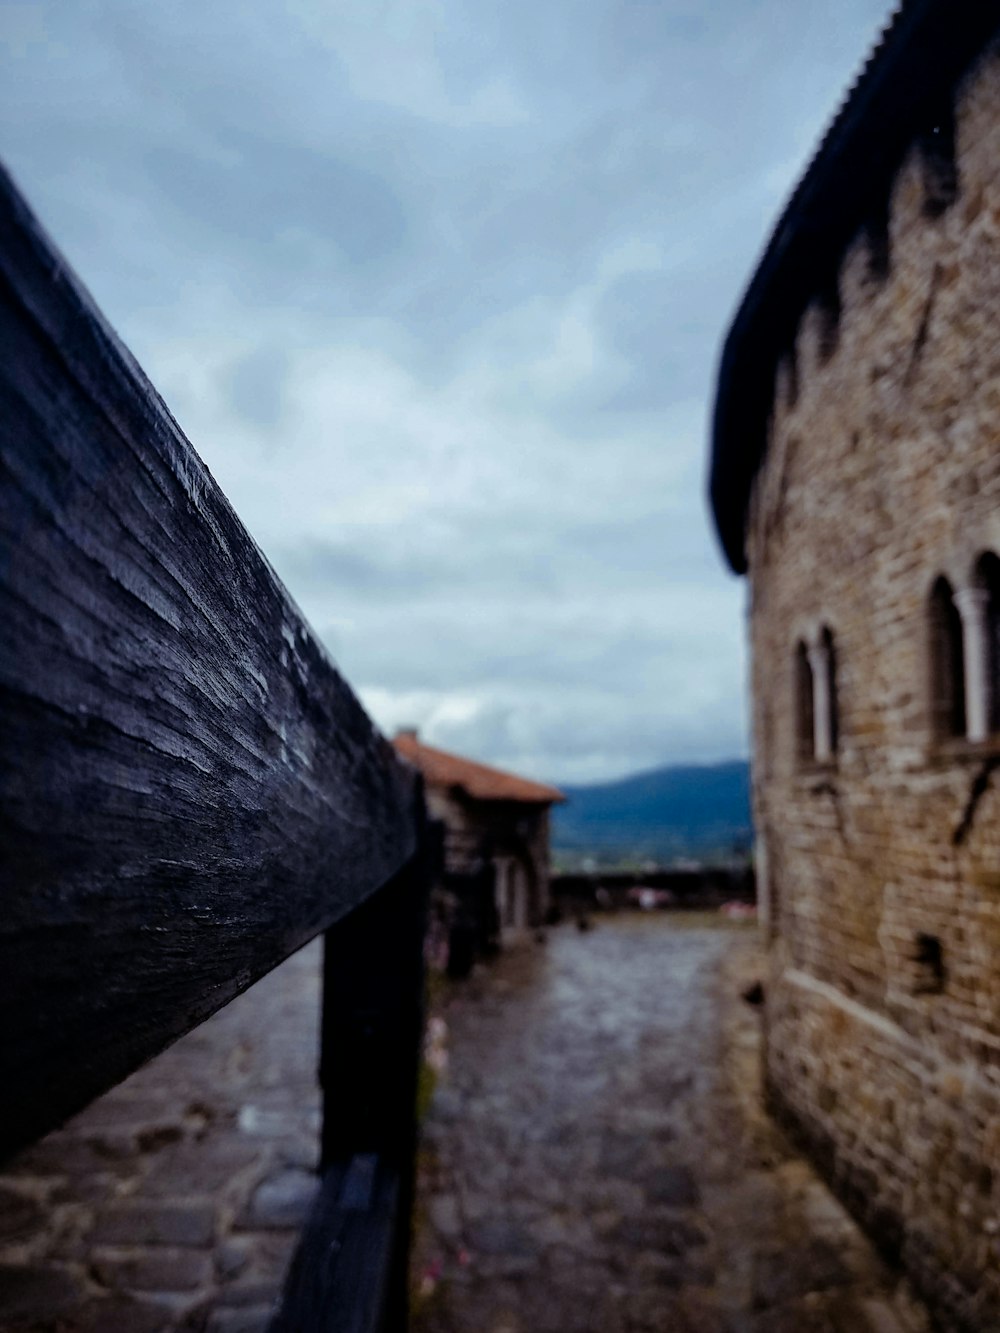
[173,1202]
[595,1156]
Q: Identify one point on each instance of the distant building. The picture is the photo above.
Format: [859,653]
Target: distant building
[495,823]
[856,479]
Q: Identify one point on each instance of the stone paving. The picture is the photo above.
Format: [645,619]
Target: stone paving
[173,1202]
[596,1158]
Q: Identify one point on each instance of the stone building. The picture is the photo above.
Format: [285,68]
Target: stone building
[856,480]
[493,821]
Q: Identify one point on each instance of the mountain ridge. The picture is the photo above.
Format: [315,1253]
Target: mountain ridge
[660,813]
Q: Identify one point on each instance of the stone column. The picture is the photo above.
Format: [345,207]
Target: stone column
[765,914]
[972,604]
[819,662]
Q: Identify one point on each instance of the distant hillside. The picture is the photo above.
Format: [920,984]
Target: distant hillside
[667,812]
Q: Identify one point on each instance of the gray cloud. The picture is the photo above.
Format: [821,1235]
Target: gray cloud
[256,387]
[437,291]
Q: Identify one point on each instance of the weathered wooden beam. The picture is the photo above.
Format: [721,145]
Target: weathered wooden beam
[188,789]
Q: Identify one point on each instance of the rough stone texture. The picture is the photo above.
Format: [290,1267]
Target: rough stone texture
[597,1159]
[154,1224]
[174,1202]
[167,1271]
[883,472]
[283,1200]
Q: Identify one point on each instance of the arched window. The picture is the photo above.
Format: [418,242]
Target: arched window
[988,579]
[816,712]
[947,665]
[937,149]
[805,739]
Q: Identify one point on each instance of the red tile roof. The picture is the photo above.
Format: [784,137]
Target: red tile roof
[441,769]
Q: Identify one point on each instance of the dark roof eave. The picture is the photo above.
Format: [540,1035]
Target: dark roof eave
[907,83]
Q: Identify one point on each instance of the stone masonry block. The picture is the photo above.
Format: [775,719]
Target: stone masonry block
[164,1270]
[154,1224]
[41,1293]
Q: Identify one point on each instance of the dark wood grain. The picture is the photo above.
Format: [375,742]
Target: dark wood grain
[188,789]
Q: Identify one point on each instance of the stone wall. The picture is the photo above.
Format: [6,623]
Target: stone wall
[880,867]
[706,888]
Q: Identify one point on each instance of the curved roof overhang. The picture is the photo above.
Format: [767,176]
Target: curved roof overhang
[905,90]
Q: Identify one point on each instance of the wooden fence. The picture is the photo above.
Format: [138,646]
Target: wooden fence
[188,789]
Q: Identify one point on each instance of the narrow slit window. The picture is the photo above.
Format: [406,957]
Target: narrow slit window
[816,712]
[947,666]
[828,656]
[805,738]
[940,172]
[929,969]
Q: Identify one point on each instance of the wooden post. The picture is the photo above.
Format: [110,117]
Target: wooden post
[349,1274]
[373,1019]
[372,1030]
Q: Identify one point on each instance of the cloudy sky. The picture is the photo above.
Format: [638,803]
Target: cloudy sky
[436,288]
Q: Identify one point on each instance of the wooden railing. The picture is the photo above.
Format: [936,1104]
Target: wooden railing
[188,789]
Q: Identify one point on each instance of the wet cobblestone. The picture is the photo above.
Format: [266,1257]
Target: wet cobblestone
[596,1158]
[173,1202]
